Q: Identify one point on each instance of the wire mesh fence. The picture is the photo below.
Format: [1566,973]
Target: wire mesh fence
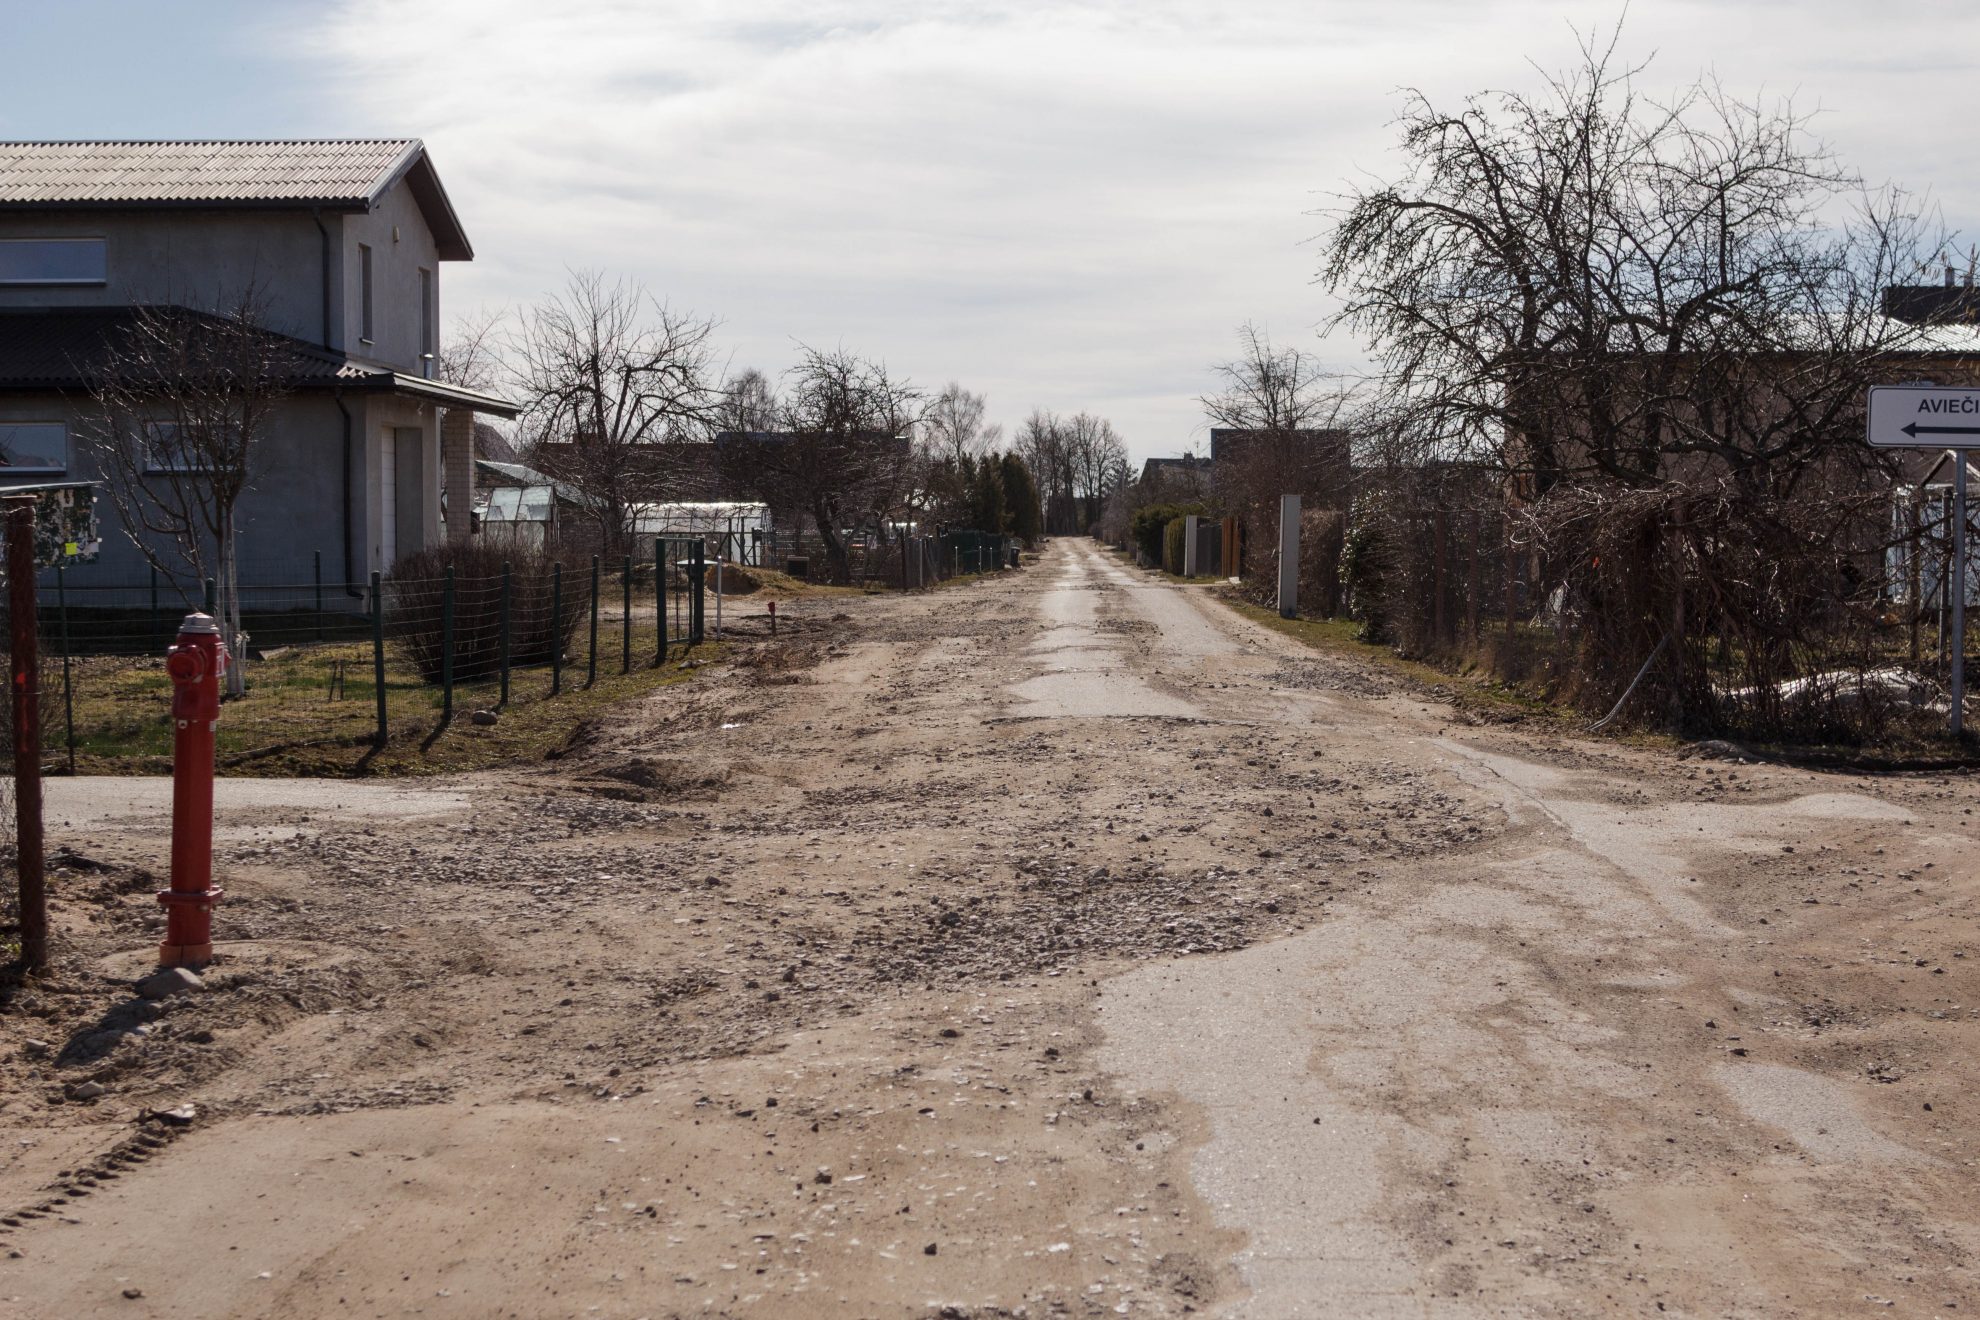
[1660,607]
[450,635]
[905,560]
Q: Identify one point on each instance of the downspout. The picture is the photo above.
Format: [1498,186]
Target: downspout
[350,587]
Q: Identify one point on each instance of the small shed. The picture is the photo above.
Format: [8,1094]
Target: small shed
[733,530]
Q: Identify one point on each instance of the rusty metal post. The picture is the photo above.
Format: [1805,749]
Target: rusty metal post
[27,732]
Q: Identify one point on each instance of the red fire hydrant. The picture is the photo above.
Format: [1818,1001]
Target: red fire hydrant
[196,662]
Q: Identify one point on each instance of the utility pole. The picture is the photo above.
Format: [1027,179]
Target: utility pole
[27,732]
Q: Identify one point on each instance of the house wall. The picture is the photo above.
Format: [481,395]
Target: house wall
[201,259]
[293,509]
[415,427]
[401,246]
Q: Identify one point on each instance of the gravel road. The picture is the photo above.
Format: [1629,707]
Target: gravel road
[1058,945]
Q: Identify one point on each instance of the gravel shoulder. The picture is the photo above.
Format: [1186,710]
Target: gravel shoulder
[1054,945]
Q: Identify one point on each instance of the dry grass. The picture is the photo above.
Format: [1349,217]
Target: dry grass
[298,718]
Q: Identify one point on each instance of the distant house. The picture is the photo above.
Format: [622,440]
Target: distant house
[1315,463]
[1188,470]
[371,458]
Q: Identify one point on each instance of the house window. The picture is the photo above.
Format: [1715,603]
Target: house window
[364,292]
[426,345]
[33,447]
[53,260]
[167,449]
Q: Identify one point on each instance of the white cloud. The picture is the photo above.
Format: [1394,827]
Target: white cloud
[1066,205]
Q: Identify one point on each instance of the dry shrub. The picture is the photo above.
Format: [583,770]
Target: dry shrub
[415,601]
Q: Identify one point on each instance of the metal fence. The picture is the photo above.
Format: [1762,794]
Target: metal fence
[907,561]
[372,662]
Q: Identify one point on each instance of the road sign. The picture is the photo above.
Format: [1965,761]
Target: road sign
[1924,417]
[1936,417]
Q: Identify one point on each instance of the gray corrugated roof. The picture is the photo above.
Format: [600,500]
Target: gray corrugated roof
[303,171]
[348,174]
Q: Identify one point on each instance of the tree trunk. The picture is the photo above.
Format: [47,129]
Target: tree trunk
[838,563]
[228,589]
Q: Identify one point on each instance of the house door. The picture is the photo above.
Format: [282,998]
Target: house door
[388,499]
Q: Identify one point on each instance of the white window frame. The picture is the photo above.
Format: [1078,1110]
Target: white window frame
[365,263]
[97,281]
[429,345]
[9,469]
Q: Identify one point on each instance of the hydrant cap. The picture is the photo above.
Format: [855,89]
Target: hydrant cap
[197,622]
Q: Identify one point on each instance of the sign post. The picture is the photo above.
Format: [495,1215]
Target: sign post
[1958,683]
[1288,556]
[1937,417]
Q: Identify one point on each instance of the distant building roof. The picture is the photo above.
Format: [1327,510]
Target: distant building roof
[1923,304]
[517,476]
[1224,439]
[1187,463]
[348,174]
[54,350]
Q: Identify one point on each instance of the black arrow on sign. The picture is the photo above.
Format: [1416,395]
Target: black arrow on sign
[1915,430]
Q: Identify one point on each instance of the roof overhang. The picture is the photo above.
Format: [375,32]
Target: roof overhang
[430,391]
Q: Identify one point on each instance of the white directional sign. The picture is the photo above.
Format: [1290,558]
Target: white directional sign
[1924,417]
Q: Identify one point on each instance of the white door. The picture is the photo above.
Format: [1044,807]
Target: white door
[388,500]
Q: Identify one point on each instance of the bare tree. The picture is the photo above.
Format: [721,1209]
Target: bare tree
[1097,461]
[749,402]
[841,451]
[611,377]
[184,403]
[1042,443]
[1634,311]
[952,426]
[1280,416]
[471,354]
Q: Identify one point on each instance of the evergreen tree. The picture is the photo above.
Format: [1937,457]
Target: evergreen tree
[1024,516]
[986,503]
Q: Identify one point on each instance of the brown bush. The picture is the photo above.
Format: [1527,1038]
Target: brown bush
[415,601]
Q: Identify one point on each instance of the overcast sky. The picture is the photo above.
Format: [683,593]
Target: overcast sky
[1063,205]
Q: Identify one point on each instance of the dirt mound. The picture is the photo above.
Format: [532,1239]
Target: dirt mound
[643,780]
[736,581]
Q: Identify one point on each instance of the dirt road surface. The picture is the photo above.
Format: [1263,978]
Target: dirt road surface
[1058,945]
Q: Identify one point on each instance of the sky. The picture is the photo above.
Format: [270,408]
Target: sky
[1066,205]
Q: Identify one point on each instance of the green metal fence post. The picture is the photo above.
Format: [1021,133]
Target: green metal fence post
[68,682]
[319,595]
[157,624]
[210,592]
[698,570]
[556,629]
[447,648]
[507,583]
[660,599]
[625,617]
[591,664]
[378,655]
